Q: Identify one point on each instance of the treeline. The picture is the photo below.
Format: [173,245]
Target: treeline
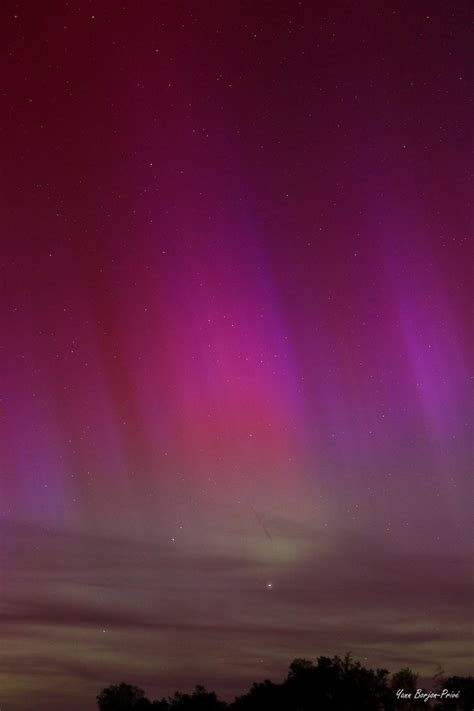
[332,684]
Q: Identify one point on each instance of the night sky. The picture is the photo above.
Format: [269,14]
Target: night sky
[236,334]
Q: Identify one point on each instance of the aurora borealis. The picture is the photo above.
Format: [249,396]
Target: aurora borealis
[236,347]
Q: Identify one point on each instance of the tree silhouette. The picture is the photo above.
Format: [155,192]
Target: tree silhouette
[199,700]
[263,696]
[406,683]
[462,685]
[332,684]
[162,705]
[122,697]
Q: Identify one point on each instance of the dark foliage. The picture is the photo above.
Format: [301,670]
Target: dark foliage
[332,684]
[122,697]
[462,685]
[201,700]
[407,682]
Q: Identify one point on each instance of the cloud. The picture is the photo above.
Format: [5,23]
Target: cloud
[163,606]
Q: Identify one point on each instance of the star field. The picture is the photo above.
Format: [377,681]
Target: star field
[236,310]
